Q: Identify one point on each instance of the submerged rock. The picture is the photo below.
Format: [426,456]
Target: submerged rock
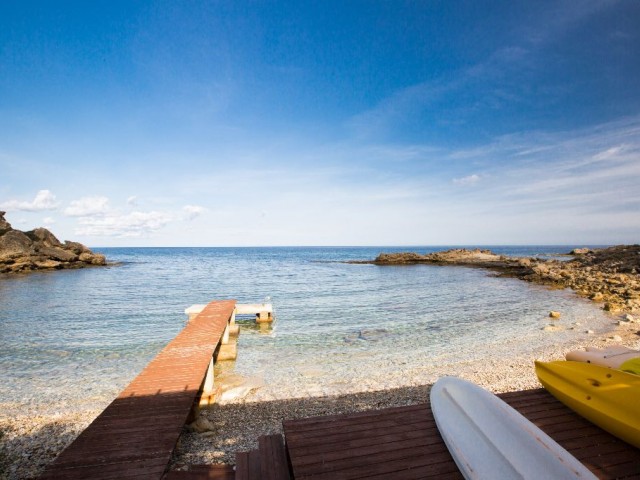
[372,335]
[236,387]
[39,249]
[552,328]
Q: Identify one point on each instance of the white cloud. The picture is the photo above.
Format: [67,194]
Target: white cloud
[49,220]
[132,200]
[97,218]
[44,200]
[468,180]
[193,211]
[88,206]
[579,179]
[134,224]
[609,153]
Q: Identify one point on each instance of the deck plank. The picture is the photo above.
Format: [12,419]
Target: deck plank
[403,443]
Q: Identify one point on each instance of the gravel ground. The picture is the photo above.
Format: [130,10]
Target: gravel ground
[28,442]
[235,427]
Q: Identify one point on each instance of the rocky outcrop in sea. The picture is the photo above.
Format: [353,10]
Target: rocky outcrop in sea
[608,275]
[39,249]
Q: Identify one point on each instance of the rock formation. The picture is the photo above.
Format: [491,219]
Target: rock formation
[40,249]
[458,256]
[609,275]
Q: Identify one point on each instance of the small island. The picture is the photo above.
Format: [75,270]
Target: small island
[39,249]
[608,275]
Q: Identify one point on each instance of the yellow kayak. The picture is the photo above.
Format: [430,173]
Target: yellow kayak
[604,396]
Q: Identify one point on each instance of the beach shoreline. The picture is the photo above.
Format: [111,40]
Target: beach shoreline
[31,441]
[236,426]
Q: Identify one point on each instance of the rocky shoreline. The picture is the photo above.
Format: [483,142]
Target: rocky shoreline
[610,276]
[39,249]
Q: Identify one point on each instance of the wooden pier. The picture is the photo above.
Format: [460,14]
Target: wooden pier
[134,437]
[136,434]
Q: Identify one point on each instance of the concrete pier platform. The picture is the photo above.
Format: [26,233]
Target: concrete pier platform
[262,311]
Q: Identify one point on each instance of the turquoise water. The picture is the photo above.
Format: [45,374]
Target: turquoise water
[75,338]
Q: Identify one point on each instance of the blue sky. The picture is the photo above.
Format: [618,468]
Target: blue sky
[322,123]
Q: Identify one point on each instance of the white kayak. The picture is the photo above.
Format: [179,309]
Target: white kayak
[488,439]
[612,357]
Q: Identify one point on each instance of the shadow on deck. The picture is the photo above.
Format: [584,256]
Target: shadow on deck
[403,443]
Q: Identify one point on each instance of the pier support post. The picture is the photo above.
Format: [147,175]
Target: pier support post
[225,334]
[208,387]
[263,316]
[227,352]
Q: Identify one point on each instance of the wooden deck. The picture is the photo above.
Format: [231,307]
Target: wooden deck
[135,435]
[403,443]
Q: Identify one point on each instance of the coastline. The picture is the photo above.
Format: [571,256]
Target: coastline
[236,426]
[31,440]
[607,275]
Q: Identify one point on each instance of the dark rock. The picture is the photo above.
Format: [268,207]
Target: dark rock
[4,225]
[458,256]
[44,237]
[14,244]
[58,254]
[75,247]
[399,258]
[93,258]
[608,275]
[40,249]
[579,251]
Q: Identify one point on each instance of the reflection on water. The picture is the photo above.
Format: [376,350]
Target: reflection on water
[79,336]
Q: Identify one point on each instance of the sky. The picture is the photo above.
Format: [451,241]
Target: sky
[233,123]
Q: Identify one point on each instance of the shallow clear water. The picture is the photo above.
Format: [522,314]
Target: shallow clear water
[73,339]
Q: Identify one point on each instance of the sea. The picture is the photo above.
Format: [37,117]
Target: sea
[73,339]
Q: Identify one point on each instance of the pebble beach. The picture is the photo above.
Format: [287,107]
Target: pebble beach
[236,426]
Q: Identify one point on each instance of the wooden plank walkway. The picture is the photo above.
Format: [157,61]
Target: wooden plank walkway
[403,443]
[135,435]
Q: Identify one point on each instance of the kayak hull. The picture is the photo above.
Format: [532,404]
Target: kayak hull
[489,439]
[606,397]
[612,357]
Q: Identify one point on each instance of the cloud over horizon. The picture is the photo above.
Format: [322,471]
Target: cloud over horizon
[193,211]
[44,200]
[134,224]
[88,206]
